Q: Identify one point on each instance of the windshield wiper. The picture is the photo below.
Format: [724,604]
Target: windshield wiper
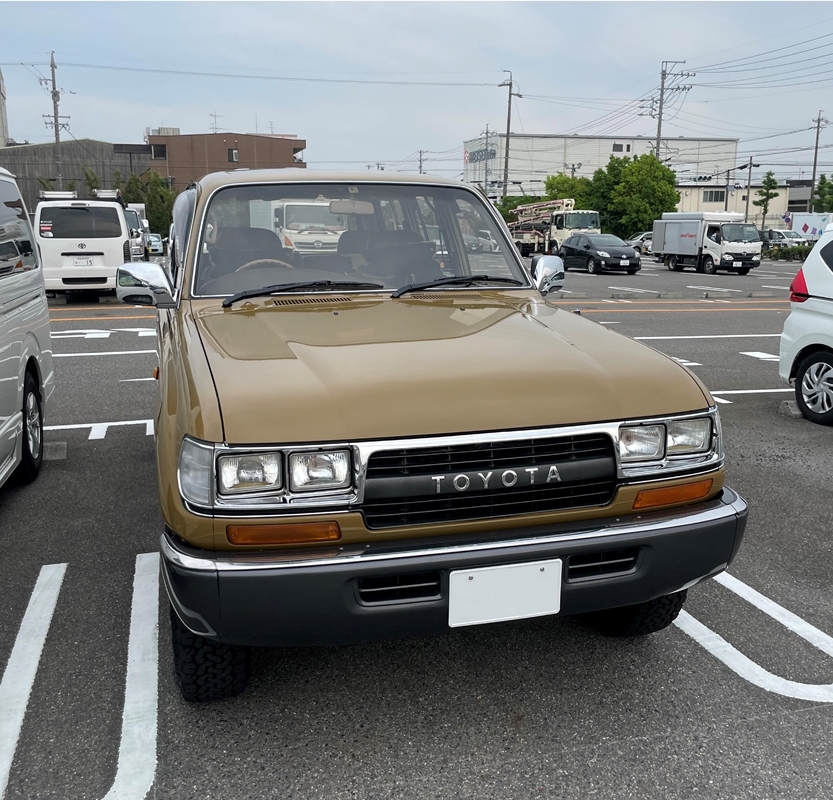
[277,288]
[460,280]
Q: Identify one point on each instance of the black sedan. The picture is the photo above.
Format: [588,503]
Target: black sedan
[599,252]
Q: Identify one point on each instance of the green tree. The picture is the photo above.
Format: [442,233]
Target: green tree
[561,186]
[823,195]
[766,193]
[44,183]
[133,190]
[159,200]
[644,192]
[91,181]
[118,181]
[71,186]
[601,189]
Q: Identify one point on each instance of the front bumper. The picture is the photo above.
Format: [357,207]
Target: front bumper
[739,262]
[312,597]
[616,263]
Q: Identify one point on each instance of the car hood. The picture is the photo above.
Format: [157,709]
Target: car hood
[618,252]
[307,369]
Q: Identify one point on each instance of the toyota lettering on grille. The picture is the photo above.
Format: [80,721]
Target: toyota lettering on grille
[506,479]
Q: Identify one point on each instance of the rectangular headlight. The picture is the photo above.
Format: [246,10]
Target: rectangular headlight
[310,472]
[641,443]
[249,472]
[689,436]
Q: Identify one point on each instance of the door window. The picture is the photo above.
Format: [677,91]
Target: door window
[17,253]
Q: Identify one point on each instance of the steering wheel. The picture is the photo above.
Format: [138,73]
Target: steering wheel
[258,262]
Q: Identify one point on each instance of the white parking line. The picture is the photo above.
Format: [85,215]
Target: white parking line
[134,380]
[104,353]
[721,400]
[751,391]
[687,363]
[761,356]
[22,666]
[631,289]
[746,668]
[708,336]
[98,430]
[714,288]
[137,749]
[785,288]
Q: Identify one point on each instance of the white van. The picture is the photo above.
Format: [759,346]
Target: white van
[26,377]
[82,242]
[806,354]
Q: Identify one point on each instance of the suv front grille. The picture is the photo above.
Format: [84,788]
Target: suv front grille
[402,486]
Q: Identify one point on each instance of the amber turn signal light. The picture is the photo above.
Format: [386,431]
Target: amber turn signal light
[291,533]
[668,495]
[155,373]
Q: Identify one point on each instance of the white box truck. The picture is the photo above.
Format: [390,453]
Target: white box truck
[707,241]
[811,225]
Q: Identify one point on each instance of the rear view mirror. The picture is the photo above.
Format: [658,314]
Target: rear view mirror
[351,207]
[144,283]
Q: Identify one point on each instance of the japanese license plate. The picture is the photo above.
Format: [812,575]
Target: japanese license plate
[495,594]
[625,262]
[82,262]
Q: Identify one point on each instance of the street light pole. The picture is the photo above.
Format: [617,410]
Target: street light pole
[512,94]
[819,121]
[748,189]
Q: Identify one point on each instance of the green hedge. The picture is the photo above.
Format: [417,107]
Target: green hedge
[789,253]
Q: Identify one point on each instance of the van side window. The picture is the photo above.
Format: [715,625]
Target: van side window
[17,253]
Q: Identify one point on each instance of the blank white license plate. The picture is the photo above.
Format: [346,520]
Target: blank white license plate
[624,262]
[82,262]
[496,594]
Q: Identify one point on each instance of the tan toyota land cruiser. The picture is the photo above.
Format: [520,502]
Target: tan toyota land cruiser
[398,436]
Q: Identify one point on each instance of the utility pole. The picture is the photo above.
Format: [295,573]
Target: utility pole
[820,120]
[573,168]
[726,193]
[55,120]
[420,161]
[748,187]
[663,89]
[512,94]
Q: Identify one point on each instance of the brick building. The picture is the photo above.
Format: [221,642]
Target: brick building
[183,158]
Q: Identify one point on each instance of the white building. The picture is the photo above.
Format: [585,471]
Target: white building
[712,196]
[533,157]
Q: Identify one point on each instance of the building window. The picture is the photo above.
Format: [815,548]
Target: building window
[159,151]
[628,148]
[714,195]
[619,148]
[232,154]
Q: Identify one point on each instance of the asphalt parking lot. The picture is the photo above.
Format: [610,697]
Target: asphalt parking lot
[733,701]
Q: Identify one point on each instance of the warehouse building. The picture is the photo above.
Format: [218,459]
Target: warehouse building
[533,157]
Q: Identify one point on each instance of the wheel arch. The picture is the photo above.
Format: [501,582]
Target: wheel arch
[804,353]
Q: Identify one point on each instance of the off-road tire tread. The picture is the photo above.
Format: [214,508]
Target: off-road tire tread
[205,670]
[641,619]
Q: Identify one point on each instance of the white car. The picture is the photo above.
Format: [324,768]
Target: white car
[26,376]
[806,353]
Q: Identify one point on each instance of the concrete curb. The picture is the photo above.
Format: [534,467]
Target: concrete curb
[789,409]
[760,294]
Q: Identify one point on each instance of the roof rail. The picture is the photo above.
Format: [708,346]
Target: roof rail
[54,195]
[107,194]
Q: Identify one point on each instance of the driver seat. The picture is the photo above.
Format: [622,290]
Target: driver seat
[235,247]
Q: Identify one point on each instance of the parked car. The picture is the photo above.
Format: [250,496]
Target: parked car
[599,252]
[26,377]
[472,243]
[488,244]
[781,238]
[641,242]
[806,349]
[386,447]
[156,246]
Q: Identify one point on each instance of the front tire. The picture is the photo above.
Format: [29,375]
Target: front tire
[641,619]
[206,670]
[814,388]
[32,447]
[709,267]
[592,266]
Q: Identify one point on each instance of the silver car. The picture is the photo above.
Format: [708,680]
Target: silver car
[26,377]
[641,242]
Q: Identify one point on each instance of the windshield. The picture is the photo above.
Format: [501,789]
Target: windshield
[791,235]
[606,240]
[132,219]
[740,233]
[581,219]
[391,235]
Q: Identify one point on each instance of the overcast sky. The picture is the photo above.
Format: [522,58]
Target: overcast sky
[599,56]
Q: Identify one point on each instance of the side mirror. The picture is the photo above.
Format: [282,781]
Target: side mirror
[587,247]
[548,274]
[134,233]
[144,283]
